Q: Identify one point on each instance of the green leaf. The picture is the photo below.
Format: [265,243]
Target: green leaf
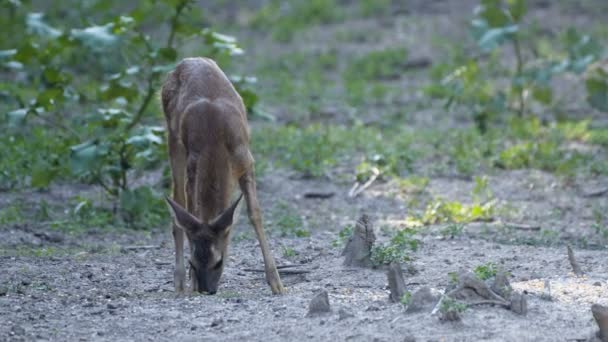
[493,14]
[96,37]
[86,157]
[543,95]
[597,92]
[7,54]
[492,38]
[518,9]
[168,54]
[50,97]
[36,25]
[17,117]
[42,176]
[150,135]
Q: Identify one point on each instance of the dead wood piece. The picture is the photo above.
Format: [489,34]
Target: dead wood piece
[321,195]
[519,304]
[358,188]
[417,63]
[358,249]
[576,268]
[600,313]
[282,271]
[501,285]
[319,305]
[596,193]
[472,288]
[522,226]
[134,248]
[395,281]
[490,302]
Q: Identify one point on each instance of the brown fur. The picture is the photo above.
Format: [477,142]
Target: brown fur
[210,156]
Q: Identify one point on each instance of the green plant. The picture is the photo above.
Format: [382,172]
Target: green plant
[441,211]
[343,235]
[11,214]
[452,230]
[406,298]
[95,86]
[289,252]
[473,83]
[286,18]
[397,249]
[288,221]
[486,271]
[449,304]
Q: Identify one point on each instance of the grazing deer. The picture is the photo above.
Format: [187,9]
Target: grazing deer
[209,153]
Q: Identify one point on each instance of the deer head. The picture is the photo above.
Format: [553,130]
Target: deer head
[209,244]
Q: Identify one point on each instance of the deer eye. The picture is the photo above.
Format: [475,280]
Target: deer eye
[218,264]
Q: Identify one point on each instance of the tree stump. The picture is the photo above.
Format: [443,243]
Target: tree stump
[600,313]
[395,281]
[358,249]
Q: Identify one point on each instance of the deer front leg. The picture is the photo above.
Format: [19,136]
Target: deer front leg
[178,170]
[247,184]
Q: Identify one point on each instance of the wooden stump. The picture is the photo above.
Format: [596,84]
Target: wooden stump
[358,249]
[395,281]
[600,313]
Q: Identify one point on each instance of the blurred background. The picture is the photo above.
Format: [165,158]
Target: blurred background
[352,93]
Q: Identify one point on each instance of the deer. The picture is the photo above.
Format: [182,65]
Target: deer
[210,155]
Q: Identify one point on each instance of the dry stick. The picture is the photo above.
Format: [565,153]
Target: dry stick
[133,248]
[322,195]
[281,271]
[522,226]
[575,266]
[596,193]
[491,302]
[355,191]
[600,313]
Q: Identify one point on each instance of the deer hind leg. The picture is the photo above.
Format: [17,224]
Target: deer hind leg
[247,184]
[178,171]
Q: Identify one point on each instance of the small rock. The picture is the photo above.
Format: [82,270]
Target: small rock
[344,314]
[216,322]
[319,304]
[409,338]
[17,330]
[112,306]
[26,282]
[423,300]
[3,291]
[597,283]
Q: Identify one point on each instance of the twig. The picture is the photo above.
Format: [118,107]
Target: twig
[322,195]
[133,248]
[522,226]
[281,271]
[356,190]
[488,301]
[576,268]
[596,193]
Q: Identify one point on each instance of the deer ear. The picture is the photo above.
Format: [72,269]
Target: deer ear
[224,220]
[182,218]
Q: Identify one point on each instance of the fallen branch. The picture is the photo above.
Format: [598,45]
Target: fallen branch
[576,268]
[358,189]
[321,195]
[133,248]
[522,226]
[281,271]
[596,193]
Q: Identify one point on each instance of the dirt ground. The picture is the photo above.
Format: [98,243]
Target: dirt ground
[117,285]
